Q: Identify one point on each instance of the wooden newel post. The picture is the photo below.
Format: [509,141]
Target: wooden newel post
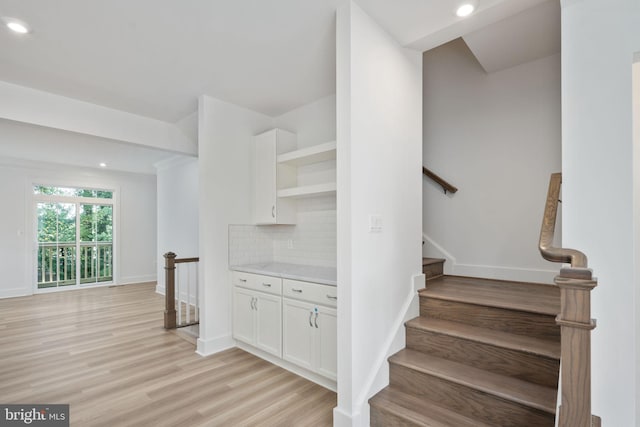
[169,290]
[576,324]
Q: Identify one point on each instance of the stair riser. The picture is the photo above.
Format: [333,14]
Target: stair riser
[431,271]
[528,367]
[469,402]
[513,321]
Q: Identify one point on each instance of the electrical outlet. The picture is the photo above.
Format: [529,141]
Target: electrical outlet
[290,244]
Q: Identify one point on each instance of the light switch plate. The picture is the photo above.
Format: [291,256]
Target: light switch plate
[375,223]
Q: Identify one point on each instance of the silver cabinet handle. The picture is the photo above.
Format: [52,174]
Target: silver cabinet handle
[251,303]
[255,304]
[310,315]
[296,290]
[243,280]
[268,285]
[316,320]
[273,211]
[330,297]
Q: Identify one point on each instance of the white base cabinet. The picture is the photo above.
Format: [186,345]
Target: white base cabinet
[309,336]
[293,320]
[257,318]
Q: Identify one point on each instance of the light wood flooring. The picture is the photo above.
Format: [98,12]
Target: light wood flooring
[104,352]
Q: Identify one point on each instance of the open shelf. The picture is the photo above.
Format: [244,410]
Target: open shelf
[309,155]
[308,190]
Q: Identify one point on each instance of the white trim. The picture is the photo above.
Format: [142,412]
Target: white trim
[214,345]
[499,272]
[133,280]
[73,287]
[311,376]
[343,419]
[33,199]
[15,292]
[379,375]
[443,253]
[505,273]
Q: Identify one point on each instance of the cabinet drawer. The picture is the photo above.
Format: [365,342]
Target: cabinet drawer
[311,292]
[257,282]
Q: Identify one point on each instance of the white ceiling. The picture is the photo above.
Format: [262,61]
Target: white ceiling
[155,57]
[524,37]
[41,144]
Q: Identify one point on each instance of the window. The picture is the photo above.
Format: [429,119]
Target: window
[75,236]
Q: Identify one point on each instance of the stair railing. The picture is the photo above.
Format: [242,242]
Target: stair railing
[440,181]
[576,283]
[181,291]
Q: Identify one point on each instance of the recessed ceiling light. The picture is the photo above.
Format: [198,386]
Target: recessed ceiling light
[465,9]
[17,26]
[103,165]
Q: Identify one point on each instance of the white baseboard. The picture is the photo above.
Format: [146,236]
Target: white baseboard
[15,292]
[378,378]
[207,347]
[344,419]
[505,273]
[455,268]
[311,376]
[137,279]
[160,289]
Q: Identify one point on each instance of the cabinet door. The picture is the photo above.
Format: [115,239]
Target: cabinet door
[326,345]
[265,178]
[269,323]
[243,315]
[297,332]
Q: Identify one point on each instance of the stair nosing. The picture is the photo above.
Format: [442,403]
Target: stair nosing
[475,334]
[443,411]
[516,385]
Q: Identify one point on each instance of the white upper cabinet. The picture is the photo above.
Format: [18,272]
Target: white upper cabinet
[284,173]
[269,176]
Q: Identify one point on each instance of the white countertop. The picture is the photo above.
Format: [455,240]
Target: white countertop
[306,273]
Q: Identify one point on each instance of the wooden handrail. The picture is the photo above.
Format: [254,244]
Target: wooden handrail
[440,181]
[575,283]
[185,260]
[170,261]
[577,259]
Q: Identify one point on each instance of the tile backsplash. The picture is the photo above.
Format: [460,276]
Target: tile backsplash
[312,241]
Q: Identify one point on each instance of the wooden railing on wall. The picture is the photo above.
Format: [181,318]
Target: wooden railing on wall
[183,296]
[575,283]
[440,181]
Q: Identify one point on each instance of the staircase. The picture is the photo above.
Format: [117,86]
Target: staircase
[482,353]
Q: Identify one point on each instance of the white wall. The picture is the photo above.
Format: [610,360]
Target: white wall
[379,124]
[314,236]
[225,140]
[136,219]
[177,189]
[23,104]
[313,123]
[497,138]
[599,38]
[636,211]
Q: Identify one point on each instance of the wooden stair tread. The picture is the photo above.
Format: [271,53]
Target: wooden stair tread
[429,261]
[531,345]
[418,411]
[529,297]
[508,388]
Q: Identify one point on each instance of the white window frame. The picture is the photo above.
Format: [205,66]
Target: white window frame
[33,201]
